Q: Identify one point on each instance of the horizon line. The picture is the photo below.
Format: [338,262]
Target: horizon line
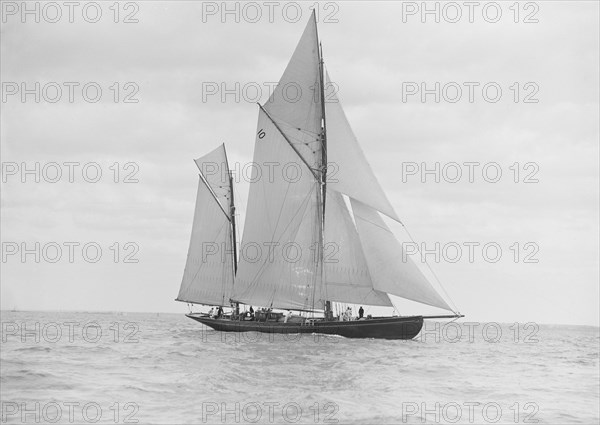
[3,310]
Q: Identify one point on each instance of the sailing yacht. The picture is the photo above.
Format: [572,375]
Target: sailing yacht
[314,238]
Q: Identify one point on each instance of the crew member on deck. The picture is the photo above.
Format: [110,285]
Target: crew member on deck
[348,315]
[360,312]
[251,313]
[219,312]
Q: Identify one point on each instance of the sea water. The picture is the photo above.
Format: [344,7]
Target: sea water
[168,369]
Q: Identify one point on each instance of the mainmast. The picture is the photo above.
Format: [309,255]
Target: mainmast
[321,200]
[323,130]
[233,230]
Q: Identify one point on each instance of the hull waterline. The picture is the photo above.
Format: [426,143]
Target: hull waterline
[381,328]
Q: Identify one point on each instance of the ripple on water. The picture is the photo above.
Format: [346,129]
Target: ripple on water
[176,366]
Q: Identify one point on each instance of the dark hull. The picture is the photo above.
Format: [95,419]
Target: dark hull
[383,327]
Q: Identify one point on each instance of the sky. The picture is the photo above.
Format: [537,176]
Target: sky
[155,112]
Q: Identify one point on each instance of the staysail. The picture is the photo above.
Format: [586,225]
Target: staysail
[391,272]
[346,275]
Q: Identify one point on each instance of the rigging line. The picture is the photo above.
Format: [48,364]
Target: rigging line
[455,319]
[298,141]
[455,310]
[322,164]
[309,116]
[374,224]
[227,271]
[237,228]
[302,130]
[319,269]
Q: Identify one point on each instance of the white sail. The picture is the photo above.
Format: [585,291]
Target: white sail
[295,103]
[208,274]
[346,276]
[348,170]
[277,265]
[280,265]
[215,170]
[390,272]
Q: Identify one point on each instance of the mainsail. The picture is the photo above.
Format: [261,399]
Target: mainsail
[209,270]
[277,266]
[279,252]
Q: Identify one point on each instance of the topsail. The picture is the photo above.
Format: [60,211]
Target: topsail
[295,104]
